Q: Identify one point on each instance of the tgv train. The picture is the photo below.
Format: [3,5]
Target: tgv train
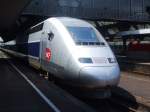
[70,49]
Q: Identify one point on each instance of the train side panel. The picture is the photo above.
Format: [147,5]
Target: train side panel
[59,53]
[34,48]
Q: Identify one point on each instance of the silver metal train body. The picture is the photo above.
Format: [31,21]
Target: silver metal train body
[74,51]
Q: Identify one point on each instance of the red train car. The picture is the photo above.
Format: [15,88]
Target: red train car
[139,51]
[139,47]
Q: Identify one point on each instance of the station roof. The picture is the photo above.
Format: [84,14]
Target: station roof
[9,12]
[20,14]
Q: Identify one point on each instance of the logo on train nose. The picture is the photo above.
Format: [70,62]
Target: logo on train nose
[48,54]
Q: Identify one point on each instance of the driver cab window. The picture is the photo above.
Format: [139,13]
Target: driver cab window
[84,36]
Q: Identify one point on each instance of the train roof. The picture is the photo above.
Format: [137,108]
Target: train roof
[68,21]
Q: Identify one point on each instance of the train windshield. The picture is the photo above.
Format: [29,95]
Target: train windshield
[84,36]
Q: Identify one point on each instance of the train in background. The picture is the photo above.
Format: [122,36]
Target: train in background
[70,49]
[136,44]
[135,49]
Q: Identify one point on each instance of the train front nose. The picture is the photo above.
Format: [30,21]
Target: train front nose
[97,77]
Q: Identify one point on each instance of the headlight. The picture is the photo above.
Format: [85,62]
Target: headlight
[85,60]
[112,60]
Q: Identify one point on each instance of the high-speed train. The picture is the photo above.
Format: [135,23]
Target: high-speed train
[70,49]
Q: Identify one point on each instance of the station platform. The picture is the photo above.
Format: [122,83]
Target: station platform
[23,90]
[136,66]
[134,87]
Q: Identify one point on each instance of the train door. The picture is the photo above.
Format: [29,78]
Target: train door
[45,50]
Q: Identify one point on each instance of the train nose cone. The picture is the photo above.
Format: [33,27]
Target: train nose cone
[99,76]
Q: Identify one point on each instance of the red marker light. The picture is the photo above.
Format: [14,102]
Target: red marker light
[48,54]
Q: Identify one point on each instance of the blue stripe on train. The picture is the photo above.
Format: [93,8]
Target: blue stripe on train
[34,49]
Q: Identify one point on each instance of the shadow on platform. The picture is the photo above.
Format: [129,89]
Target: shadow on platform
[122,96]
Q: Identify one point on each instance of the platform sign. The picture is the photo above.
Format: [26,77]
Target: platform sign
[48,54]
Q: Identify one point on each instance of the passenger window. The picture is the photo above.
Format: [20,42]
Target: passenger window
[50,36]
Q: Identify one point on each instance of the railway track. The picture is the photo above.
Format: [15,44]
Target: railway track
[100,105]
[136,68]
[114,104]
[108,105]
[128,104]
